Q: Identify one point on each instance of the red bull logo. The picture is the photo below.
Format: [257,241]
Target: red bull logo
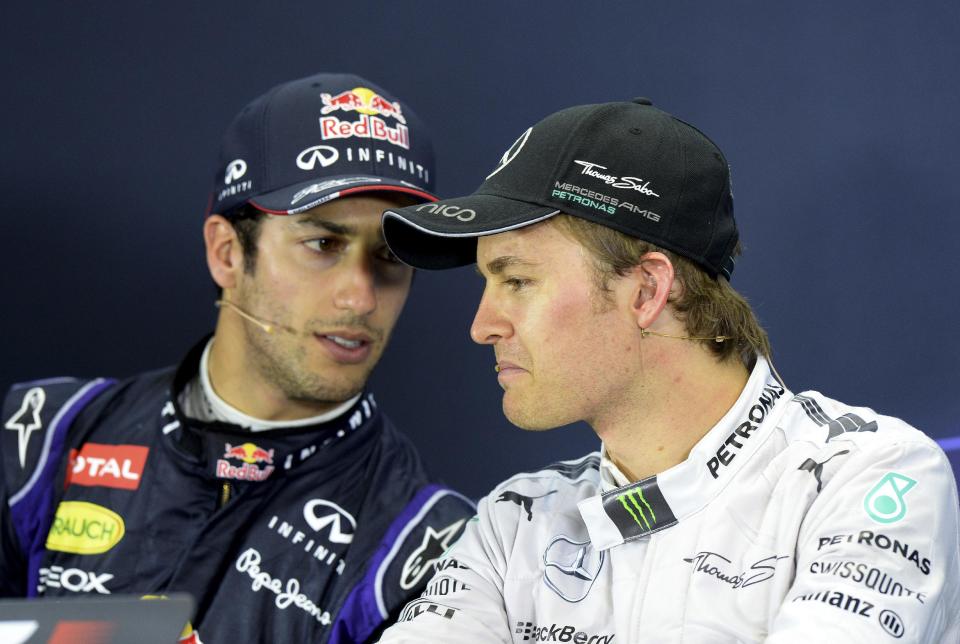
[252,456]
[368,127]
[249,453]
[364,101]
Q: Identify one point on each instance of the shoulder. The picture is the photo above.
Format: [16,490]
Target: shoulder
[556,476]
[813,418]
[857,456]
[419,534]
[553,490]
[37,412]
[40,416]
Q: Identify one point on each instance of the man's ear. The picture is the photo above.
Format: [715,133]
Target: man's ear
[224,253]
[653,279]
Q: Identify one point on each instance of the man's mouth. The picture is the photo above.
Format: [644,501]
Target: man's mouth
[347,347]
[344,342]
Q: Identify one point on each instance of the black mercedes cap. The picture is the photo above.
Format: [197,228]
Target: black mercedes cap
[626,165]
[317,138]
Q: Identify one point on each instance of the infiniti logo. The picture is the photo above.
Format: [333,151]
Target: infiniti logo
[320,513]
[235,169]
[324,154]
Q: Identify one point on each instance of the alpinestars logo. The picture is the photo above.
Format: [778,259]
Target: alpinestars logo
[434,544]
[27,420]
[559,633]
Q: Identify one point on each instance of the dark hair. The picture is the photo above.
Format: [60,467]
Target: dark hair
[246,221]
[708,307]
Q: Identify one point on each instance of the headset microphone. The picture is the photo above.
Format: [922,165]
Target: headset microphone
[718,338]
[266,325]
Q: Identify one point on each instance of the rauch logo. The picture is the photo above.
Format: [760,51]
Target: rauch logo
[85,528]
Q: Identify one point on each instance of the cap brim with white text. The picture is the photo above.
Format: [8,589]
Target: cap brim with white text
[624,165]
[444,234]
[305,195]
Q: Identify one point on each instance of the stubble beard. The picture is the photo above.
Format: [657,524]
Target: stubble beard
[281,359]
[283,362]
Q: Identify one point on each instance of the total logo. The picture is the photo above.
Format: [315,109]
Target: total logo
[73,579]
[84,528]
[362,100]
[557,633]
[252,456]
[116,466]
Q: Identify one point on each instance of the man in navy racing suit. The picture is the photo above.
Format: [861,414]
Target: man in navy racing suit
[259,475]
[721,507]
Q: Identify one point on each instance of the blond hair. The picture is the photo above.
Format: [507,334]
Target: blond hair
[708,307]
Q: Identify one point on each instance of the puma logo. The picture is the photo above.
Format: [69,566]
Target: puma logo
[811,465]
[525,502]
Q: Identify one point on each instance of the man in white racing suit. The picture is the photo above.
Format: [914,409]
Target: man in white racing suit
[721,507]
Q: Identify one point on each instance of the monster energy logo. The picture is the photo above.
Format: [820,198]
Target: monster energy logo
[631,501]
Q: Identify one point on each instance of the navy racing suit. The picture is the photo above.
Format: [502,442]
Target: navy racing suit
[318,533]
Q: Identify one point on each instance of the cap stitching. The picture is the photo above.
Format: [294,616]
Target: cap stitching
[594,113]
[267,108]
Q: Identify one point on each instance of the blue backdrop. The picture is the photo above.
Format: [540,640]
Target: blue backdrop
[839,120]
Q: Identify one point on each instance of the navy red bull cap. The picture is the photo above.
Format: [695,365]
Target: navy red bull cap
[314,139]
[625,165]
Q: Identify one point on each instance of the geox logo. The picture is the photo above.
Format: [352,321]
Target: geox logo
[557,633]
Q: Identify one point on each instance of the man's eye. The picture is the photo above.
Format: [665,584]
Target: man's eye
[387,255]
[325,245]
[517,283]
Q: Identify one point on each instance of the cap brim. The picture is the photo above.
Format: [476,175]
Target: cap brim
[303,196]
[444,234]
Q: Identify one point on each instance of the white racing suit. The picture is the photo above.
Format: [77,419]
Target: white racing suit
[795,519]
